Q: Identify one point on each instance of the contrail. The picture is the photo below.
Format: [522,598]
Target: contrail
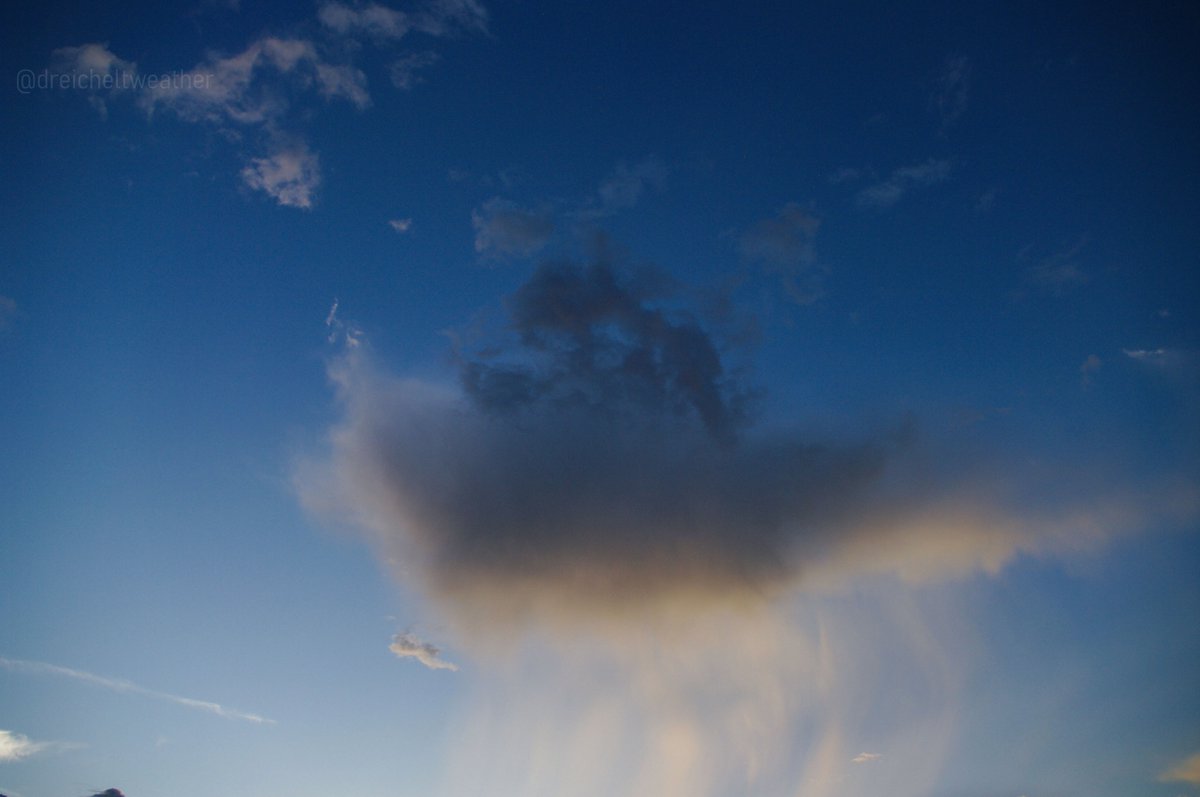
[119,685]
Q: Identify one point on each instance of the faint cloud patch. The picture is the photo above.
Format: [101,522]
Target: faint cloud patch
[401,225]
[1088,369]
[8,311]
[902,181]
[405,71]
[865,758]
[783,245]
[953,90]
[503,228]
[1060,272]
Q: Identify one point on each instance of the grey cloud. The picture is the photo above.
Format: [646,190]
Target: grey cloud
[597,463]
[504,228]
[784,245]
[409,646]
[903,180]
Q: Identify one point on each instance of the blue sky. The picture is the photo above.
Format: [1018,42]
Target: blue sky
[531,399]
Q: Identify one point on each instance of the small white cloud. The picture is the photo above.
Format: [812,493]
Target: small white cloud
[408,646]
[15,746]
[865,758]
[903,180]
[504,228]
[1186,771]
[401,225]
[1150,356]
[291,176]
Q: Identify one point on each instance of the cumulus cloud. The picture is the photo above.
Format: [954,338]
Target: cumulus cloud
[902,180]
[290,176]
[118,685]
[15,746]
[783,244]
[504,228]
[409,646]
[1185,771]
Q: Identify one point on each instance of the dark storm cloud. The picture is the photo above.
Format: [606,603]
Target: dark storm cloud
[600,461]
[587,339]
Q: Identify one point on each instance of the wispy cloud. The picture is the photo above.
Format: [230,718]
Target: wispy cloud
[950,97]
[409,646]
[624,187]
[902,181]
[118,685]
[503,228]
[865,758]
[1185,771]
[401,225]
[1060,271]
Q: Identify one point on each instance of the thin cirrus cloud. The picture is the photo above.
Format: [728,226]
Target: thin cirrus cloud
[118,685]
[904,180]
[261,89]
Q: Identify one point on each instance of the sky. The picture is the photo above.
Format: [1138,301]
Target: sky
[467,397]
